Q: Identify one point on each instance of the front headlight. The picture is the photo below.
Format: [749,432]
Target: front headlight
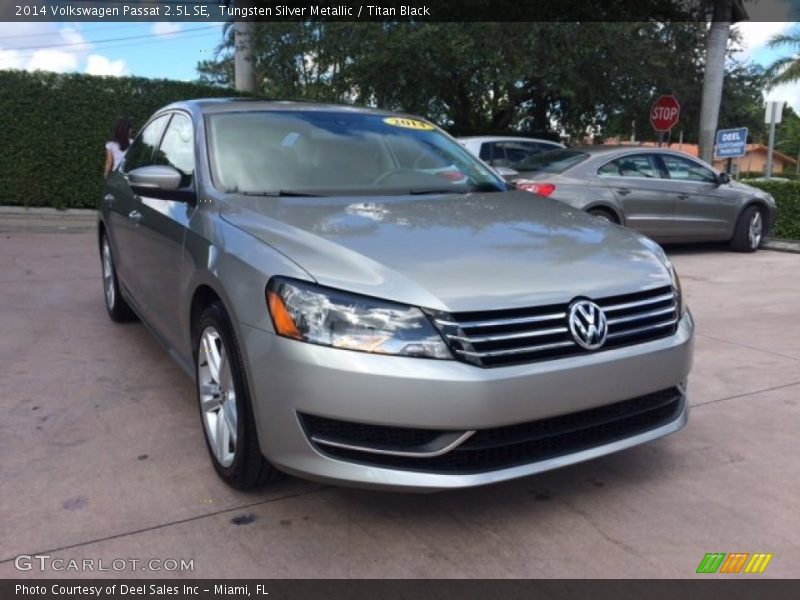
[328,317]
[676,285]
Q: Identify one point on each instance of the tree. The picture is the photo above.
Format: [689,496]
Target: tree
[551,79]
[786,69]
[714,76]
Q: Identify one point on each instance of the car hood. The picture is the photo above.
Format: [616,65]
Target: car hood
[454,252]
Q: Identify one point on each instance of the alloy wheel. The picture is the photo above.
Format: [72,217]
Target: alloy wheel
[217,396]
[754,230]
[108,275]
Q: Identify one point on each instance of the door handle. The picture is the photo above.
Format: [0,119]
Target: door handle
[623,191]
[109,197]
[135,216]
[683,196]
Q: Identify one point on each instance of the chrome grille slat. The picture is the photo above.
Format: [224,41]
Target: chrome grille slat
[499,337]
[617,334]
[501,322]
[525,350]
[625,305]
[640,316]
[504,337]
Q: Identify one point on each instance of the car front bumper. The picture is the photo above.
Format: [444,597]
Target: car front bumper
[289,378]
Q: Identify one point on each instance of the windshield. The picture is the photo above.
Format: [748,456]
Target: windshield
[316,152]
[556,161]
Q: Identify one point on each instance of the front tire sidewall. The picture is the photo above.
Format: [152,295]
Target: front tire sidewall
[119,311]
[237,473]
[741,236]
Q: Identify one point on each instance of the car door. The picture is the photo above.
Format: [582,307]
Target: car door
[161,231]
[638,184]
[125,206]
[702,206]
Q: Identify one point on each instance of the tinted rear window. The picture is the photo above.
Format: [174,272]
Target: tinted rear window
[555,161]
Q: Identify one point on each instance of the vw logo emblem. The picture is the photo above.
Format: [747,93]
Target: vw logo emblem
[587,323]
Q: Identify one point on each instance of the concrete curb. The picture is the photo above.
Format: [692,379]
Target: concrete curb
[19,219]
[47,213]
[782,245]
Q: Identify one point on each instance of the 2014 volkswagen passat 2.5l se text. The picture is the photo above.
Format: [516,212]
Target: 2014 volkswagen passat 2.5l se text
[361,301]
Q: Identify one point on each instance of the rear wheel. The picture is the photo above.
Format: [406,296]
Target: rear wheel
[605,214]
[118,309]
[225,408]
[749,232]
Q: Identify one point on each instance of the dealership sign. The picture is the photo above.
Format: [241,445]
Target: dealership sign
[731,143]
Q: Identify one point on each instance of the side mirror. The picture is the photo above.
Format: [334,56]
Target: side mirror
[155,177]
[507,173]
[723,178]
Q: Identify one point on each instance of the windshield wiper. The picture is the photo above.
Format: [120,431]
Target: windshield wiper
[485,187]
[436,191]
[280,193]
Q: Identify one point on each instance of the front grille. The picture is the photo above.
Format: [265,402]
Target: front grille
[500,447]
[505,337]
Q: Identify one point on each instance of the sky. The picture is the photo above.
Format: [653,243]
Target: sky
[172,50]
[156,50]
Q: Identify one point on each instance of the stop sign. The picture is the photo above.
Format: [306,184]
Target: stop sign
[664,113]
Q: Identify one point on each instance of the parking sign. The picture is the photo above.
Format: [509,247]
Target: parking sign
[731,143]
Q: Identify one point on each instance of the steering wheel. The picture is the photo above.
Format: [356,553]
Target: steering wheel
[389,174]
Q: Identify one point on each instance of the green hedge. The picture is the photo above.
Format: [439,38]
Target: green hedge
[787,173]
[787,196]
[54,128]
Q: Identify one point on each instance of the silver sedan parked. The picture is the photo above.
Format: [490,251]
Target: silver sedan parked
[667,195]
[359,300]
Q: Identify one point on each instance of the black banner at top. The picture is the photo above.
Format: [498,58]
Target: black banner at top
[389,10]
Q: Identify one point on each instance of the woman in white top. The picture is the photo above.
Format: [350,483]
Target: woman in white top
[117,147]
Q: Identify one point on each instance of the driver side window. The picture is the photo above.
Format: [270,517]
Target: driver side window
[177,148]
[140,154]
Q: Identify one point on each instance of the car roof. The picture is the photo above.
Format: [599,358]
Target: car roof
[628,149]
[504,138]
[227,105]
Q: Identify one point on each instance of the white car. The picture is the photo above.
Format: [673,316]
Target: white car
[506,151]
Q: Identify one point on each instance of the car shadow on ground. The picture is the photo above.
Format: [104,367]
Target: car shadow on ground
[696,248]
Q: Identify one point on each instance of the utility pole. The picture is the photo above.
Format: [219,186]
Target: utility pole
[244,70]
[725,13]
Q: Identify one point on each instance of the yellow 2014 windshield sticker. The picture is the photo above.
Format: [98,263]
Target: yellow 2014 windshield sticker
[408,123]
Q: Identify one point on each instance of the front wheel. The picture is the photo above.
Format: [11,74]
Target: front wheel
[118,309]
[749,230]
[225,408]
[604,214]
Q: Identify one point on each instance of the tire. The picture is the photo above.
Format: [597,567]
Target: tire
[749,231]
[118,309]
[602,213]
[224,401]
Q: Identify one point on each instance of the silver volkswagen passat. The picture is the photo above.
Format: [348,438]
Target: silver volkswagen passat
[361,301]
[667,195]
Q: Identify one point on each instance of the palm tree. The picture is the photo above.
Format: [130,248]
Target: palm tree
[714,74]
[786,69]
